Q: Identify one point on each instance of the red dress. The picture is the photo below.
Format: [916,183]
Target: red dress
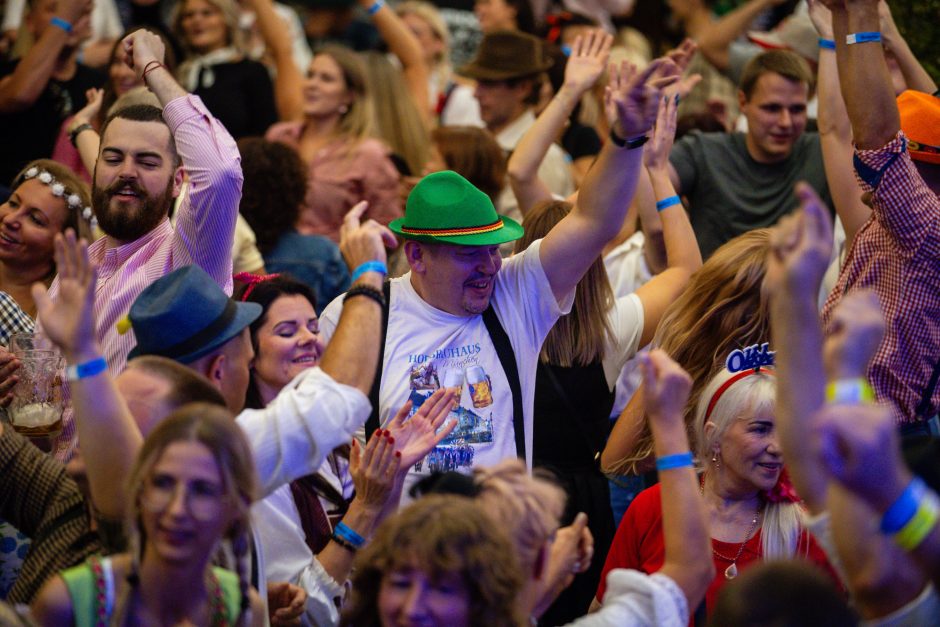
[638,544]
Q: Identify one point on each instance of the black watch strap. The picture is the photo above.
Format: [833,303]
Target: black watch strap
[629,144]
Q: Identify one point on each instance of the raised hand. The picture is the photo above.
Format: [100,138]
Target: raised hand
[140,48]
[363,241]
[631,99]
[589,54]
[90,111]
[286,604]
[373,469]
[800,247]
[666,387]
[682,55]
[821,17]
[415,437]
[656,152]
[855,334]
[571,554]
[70,321]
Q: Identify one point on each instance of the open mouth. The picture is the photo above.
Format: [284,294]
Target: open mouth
[7,239]
[306,359]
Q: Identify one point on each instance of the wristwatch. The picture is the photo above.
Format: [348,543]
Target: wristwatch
[78,130]
[629,144]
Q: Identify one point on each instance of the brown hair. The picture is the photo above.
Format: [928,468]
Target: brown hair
[442,535]
[474,154]
[787,64]
[186,385]
[579,337]
[723,308]
[356,123]
[72,185]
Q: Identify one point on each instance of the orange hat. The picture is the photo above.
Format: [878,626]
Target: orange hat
[920,121]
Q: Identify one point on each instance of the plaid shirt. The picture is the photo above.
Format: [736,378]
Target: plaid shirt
[12,319]
[897,254]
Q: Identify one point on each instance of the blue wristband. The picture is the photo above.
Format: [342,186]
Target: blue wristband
[861,38]
[58,21]
[679,460]
[376,6]
[87,369]
[827,44]
[369,266]
[904,508]
[665,203]
[347,534]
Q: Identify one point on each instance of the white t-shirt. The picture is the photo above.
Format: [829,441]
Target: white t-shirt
[427,348]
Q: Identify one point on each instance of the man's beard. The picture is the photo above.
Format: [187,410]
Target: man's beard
[127,223]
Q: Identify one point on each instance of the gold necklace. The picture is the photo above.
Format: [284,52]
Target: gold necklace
[732,571]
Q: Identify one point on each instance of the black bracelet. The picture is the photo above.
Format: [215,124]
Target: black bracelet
[365,290]
[346,544]
[629,144]
[78,130]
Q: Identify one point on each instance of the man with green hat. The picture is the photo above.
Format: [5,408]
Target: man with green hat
[466,320]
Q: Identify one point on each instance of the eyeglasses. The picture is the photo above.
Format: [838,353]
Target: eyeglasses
[203,499]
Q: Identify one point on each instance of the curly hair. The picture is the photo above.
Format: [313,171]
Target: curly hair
[274,188]
[441,535]
[723,308]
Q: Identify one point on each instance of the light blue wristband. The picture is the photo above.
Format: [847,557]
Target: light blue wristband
[903,509]
[679,460]
[665,203]
[862,38]
[87,369]
[58,21]
[346,533]
[376,7]
[369,266]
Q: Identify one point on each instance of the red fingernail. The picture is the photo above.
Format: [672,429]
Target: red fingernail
[391,440]
[397,453]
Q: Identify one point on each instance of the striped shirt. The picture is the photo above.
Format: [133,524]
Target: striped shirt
[897,254]
[202,235]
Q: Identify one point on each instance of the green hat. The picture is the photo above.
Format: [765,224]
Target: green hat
[446,207]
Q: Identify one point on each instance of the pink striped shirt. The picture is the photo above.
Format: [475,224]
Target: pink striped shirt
[203,235]
[897,254]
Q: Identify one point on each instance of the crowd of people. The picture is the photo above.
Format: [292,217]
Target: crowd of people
[639,333]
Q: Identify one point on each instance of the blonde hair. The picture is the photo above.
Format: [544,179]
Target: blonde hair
[723,308]
[359,121]
[230,13]
[579,337]
[435,21]
[397,118]
[528,507]
[215,428]
[783,521]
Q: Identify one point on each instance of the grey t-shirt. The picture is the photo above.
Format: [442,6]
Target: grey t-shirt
[729,193]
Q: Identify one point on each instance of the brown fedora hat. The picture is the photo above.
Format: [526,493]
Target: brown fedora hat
[507,54]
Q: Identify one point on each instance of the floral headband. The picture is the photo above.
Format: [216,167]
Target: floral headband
[74,201]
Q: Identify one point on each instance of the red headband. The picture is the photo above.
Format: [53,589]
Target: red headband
[727,384]
[253,280]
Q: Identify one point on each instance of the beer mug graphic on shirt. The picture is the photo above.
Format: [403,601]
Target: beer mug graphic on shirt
[453,382]
[480,387]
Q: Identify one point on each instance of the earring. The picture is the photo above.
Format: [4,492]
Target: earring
[715,460]
[343,109]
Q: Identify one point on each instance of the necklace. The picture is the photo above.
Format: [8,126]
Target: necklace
[732,571]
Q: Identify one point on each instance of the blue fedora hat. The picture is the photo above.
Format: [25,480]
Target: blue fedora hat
[186,315]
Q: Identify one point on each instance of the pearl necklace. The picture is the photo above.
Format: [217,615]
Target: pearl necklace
[732,571]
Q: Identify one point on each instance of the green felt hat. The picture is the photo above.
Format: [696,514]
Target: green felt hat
[446,207]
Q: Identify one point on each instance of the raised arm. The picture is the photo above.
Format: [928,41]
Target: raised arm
[288,81]
[687,542]
[632,100]
[682,253]
[914,73]
[21,89]
[108,434]
[800,249]
[835,133]
[406,47]
[714,41]
[586,63]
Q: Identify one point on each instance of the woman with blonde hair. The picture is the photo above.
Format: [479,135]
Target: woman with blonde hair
[190,488]
[723,308]
[754,514]
[236,89]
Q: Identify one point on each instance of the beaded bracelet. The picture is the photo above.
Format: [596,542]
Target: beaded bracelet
[665,203]
[64,25]
[862,38]
[365,290]
[88,369]
[679,460]
[369,266]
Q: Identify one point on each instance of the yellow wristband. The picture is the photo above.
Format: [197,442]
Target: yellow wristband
[919,527]
[849,391]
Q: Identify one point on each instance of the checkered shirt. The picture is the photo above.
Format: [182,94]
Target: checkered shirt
[897,254]
[12,319]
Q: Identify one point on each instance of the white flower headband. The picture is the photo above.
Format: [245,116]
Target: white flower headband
[74,201]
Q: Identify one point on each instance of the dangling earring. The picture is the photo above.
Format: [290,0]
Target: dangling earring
[343,109]
[715,460]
